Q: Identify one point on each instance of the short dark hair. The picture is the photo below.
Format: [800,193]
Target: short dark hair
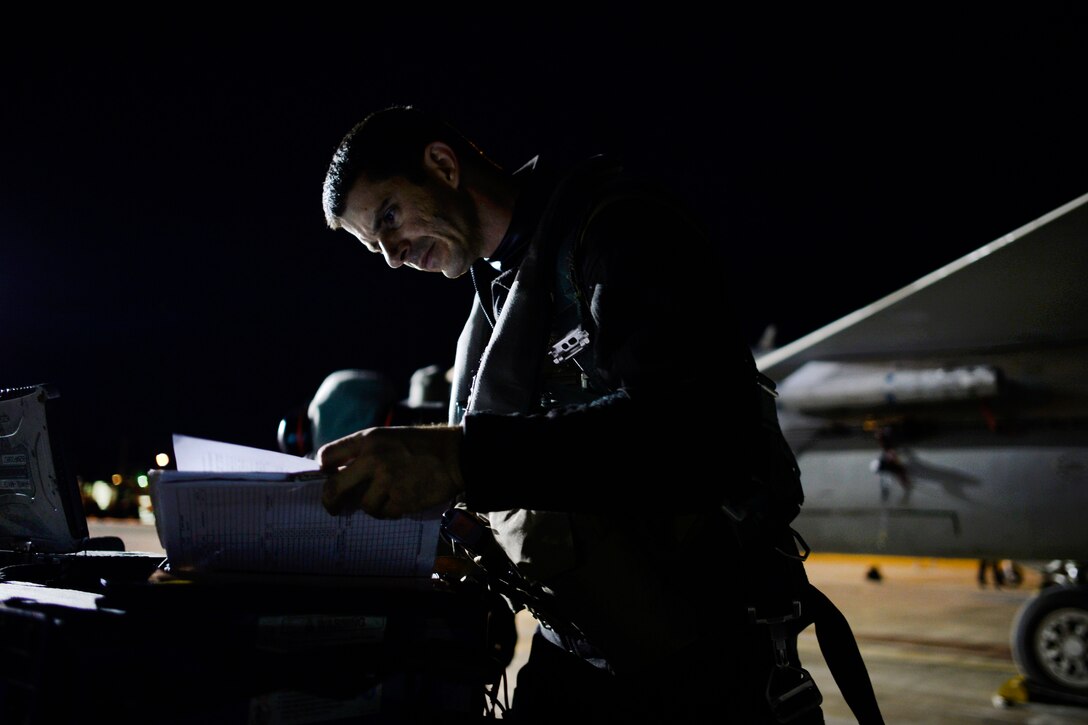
[385,144]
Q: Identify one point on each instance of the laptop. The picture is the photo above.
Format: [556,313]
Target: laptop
[43,526]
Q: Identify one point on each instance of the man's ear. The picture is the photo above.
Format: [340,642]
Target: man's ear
[441,160]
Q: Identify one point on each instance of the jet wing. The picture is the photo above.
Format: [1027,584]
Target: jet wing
[1027,289]
[950,418]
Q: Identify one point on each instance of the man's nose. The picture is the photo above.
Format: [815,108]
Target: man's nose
[394,251]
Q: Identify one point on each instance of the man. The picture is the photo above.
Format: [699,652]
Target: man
[603,406]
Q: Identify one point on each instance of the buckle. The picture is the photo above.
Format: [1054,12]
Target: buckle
[791,692]
[569,345]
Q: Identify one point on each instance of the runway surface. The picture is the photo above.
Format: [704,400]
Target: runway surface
[936,643]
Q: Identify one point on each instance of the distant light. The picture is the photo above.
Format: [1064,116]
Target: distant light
[102,493]
[147,514]
[141,480]
[162,460]
[116,478]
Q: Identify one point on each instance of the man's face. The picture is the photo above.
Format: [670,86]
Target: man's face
[432,227]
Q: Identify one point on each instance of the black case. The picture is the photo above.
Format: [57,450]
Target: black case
[198,653]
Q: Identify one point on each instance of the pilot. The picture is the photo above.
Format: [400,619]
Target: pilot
[581,427]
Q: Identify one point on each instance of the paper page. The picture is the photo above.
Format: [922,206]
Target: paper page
[273,521]
[200,454]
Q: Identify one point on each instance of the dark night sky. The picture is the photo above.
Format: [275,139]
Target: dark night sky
[164,256]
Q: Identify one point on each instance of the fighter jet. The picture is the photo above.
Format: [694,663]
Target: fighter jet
[950,419]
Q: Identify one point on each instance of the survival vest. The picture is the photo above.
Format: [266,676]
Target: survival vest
[759,511]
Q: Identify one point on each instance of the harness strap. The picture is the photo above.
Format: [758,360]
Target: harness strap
[840,650]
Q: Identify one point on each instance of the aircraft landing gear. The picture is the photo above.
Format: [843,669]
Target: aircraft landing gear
[1050,646]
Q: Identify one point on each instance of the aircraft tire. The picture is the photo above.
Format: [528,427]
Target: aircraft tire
[1050,638]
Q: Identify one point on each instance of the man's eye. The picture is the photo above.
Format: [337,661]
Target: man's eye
[389,218]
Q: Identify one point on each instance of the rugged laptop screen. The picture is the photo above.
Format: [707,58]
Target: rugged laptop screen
[41,510]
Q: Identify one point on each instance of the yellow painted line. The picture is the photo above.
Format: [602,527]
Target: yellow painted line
[878,559]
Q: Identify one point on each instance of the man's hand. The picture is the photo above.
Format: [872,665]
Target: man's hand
[390,472]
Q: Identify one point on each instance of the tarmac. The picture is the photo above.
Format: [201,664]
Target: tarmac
[936,643]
